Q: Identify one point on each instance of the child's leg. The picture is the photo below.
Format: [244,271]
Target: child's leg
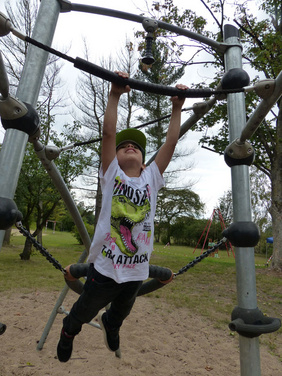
[112,319]
[122,304]
[98,292]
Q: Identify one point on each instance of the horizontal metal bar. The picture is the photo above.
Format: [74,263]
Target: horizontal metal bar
[67,6]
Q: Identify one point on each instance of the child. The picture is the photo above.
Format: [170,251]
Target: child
[123,241]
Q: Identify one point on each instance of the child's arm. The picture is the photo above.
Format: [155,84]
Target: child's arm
[166,151]
[110,122]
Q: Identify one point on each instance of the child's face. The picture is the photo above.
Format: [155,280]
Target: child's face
[129,151]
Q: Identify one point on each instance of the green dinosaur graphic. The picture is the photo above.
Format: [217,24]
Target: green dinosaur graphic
[125,215]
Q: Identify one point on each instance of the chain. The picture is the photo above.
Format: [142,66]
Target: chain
[201,257]
[57,265]
[40,247]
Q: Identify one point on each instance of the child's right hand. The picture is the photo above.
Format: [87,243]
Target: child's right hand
[118,89]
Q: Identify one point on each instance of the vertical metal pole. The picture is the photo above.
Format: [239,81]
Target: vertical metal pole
[15,141]
[245,262]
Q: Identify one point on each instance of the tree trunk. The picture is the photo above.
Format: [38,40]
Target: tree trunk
[25,255]
[168,233]
[157,232]
[276,205]
[277,239]
[39,237]
[7,236]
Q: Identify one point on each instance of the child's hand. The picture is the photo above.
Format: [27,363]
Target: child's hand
[118,89]
[68,276]
[179,101]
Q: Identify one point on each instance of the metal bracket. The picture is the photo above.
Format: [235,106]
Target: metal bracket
[265,88]
[5,25]
[9,213]
[242,234]
[239,153]
[12,108]
[65,5]
[252,322]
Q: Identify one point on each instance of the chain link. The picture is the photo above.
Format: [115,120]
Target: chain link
[40,247]
[201,257]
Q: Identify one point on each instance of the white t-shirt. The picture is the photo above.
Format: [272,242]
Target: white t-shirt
[124,235]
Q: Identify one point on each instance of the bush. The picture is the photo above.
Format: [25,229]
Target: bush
[89,228]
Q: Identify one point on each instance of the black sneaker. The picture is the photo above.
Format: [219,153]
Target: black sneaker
[64,348]
[2,328]
[111,336]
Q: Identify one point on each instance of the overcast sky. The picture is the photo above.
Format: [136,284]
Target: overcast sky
[105,36]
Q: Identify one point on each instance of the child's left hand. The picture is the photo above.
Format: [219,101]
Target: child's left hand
[179,101]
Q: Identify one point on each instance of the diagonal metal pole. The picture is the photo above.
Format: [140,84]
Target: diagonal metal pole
[14,143]
[200,109]
[244,256]
[262,110]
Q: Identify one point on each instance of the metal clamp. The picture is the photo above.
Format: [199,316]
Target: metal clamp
[239,153]
[252,322]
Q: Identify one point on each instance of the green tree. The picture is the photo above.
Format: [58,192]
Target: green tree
[261,198]
[226,208]
[262,47]
[261,203]
[262,54]
[188,230]
[36,197]
[173,204]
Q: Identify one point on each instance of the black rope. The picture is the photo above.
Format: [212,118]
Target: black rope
[214,151]
[107,75]
[49,49]
[201,257]
[81,143]
[159,119]
[40,247]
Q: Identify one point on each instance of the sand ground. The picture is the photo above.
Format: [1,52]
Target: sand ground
[156,340]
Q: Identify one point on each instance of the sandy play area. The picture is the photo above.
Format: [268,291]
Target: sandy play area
[156,340]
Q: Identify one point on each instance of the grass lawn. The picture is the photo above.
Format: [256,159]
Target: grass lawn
[208,289]
[37,273]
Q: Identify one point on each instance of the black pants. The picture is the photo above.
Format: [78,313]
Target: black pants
[98,292]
